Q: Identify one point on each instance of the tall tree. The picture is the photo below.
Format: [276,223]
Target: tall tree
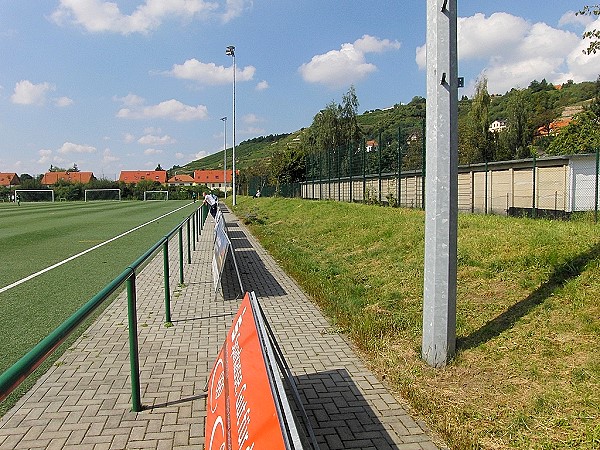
[519,134]
[479,120]
[592,35]
[348,117]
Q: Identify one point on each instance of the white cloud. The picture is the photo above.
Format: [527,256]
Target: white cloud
[513,52]
[128,138]
[151,139]
[251,118]
[340,68]
[169,109]
[69,147]
[179,156]
[108,157]
[63,102]
[130,100]
[262,85]
[152,151]
[97,16]
[201,154]
[45,156]
[210,73]
[571,18]
[27,93]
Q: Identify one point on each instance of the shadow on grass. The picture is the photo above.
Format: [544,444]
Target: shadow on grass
[561,275]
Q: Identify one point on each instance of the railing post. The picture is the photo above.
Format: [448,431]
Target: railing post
[180,234]
[134,360]
[193,231]
[167,284]
[189,248]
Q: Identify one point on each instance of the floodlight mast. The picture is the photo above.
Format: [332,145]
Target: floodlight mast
[224,119]
[441,187]
[230,51]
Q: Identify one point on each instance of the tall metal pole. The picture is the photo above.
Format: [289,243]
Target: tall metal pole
[441,198]
[224,119]
[231,52]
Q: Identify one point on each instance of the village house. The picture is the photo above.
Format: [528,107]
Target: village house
[9,179]
[135,176]
[181,180]
[214,179]
[51,178]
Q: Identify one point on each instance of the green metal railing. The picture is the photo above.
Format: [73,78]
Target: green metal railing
[18,372]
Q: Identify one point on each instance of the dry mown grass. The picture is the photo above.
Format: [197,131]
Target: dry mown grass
[526,373]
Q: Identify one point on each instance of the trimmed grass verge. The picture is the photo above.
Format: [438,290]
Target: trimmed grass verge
[526,373]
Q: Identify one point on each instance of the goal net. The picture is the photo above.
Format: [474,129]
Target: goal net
[156,195]
[102,194]
[34,195]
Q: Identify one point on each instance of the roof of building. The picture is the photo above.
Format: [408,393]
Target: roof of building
[135,176]
[183,178]
[211,176]
[9,179]
[50,178]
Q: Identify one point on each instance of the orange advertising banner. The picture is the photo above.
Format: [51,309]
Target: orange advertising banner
[241,413]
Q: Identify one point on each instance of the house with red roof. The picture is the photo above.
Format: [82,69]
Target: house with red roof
[135,176]
[181,180]
[214,179]
[9,179]
[51,178]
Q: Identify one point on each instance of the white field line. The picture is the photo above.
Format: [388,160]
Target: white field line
[71,258]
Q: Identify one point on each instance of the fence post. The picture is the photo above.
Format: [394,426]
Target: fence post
[379,166]
[364,152]
[485,189]
[533,206]
[596,187]
[167,283]
[350,152]
[134,360]
[339,173]
[424,151]
[180,234]
[399,182]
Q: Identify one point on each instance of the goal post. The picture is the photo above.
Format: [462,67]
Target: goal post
[34,195]
[156,195]
[102,194]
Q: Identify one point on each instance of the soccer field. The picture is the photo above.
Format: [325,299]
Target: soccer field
[34,236]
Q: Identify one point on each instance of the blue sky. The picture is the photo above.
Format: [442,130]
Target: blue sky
[129,84]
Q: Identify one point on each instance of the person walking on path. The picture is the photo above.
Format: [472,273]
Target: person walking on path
[212,203]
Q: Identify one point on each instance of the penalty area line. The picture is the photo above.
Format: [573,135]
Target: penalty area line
[71,258]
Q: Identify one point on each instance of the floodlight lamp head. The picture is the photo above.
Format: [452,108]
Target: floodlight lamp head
[230,50]
[224,118]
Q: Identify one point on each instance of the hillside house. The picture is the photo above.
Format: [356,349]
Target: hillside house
[135,176]
[497,126]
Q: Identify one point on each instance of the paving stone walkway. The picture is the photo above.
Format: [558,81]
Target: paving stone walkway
[84,400]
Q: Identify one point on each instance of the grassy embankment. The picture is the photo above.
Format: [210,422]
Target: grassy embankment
[526,373]
[34,236]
